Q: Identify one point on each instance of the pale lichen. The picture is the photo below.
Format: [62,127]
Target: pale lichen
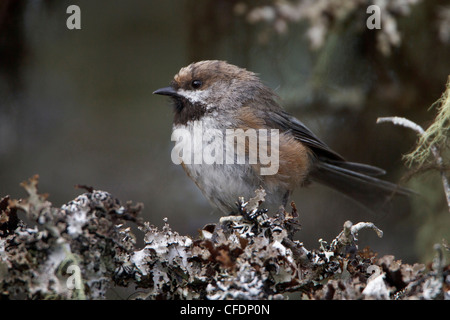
[246,257]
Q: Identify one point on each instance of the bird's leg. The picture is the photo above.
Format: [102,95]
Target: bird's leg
[286,197]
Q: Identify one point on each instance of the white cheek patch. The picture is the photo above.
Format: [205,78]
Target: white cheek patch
[195,96]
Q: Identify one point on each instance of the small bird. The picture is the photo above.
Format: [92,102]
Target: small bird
[224,97]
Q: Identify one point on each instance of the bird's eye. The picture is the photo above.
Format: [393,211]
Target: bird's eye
[196,84]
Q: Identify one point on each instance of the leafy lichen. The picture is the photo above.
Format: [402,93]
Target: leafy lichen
[252,256]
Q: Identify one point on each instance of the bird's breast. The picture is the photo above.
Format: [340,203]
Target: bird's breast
[228,162]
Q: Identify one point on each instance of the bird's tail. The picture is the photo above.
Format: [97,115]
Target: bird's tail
[357,181]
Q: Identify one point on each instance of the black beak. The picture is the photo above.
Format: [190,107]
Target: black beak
[167,91]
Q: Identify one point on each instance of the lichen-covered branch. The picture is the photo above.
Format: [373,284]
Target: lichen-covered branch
[433,141]
[79,241]
[80,250]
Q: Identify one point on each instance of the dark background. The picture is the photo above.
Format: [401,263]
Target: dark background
[76,106]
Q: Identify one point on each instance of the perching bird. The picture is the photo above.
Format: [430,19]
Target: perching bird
[217,98]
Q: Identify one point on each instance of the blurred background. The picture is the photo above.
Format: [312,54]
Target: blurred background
[76,106]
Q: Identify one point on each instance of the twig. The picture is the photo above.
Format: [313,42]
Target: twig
[402,122]
[437,156]
[350,233]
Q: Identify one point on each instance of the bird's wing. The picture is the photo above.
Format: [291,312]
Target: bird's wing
[288,123]
[321,151]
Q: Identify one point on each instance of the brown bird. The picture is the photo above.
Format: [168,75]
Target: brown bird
[218,99]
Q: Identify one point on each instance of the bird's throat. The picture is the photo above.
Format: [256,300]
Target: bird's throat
[186,111]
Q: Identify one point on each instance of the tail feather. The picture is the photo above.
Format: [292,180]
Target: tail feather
[357,182]
[358,167]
